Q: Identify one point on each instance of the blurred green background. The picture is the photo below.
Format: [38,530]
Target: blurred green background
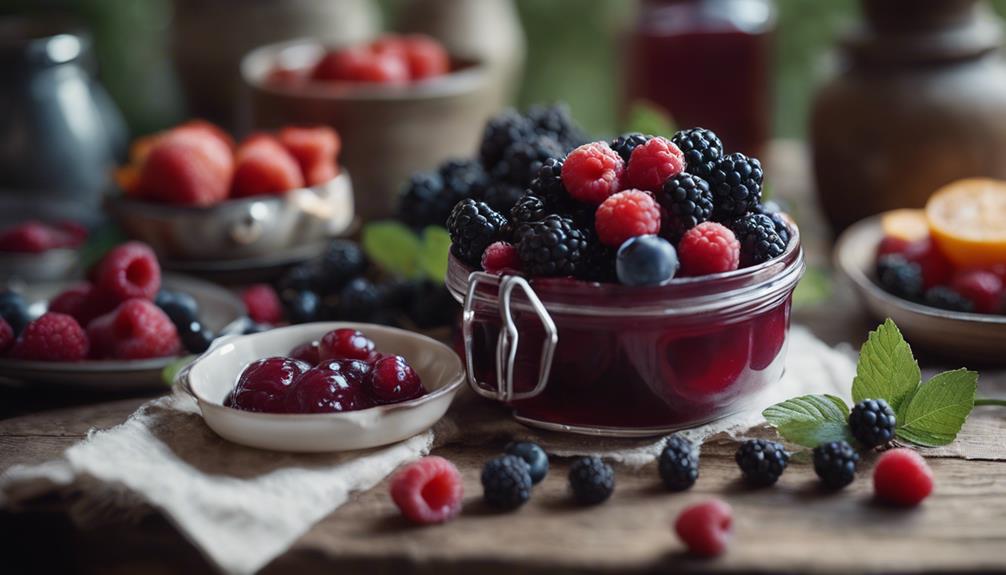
[573,55]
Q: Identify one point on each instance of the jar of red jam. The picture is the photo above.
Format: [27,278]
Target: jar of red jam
[609,359]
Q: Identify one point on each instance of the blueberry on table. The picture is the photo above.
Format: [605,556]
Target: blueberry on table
[14,310]
[592,480]
[646,260]
[761,461]
[533,455]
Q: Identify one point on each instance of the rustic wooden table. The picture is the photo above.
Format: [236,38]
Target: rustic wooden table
[791,528]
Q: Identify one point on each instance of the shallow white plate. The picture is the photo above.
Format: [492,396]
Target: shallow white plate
[219,309]
[964,336]
[212,376]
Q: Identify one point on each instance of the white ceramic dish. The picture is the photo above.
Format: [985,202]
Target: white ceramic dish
[964,336]
[220,310]
[212,376]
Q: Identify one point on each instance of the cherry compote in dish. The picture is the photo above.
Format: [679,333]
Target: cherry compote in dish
[343,371]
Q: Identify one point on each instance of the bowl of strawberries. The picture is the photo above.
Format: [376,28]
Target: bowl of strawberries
[192,193]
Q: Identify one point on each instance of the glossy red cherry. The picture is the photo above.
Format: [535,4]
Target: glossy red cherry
[333,386]
[309,353]
[345,343]
[394,380]
[264,384]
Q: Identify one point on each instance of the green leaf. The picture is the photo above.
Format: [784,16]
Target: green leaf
[649,118]
[433,253]
[392,246]
[886,369]
[814,288]
[810,420]
[935,413]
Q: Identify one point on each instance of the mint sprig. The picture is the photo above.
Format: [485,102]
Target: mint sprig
[396,249]
[929,413]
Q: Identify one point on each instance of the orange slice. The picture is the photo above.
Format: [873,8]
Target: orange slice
[967,220]
[908,225]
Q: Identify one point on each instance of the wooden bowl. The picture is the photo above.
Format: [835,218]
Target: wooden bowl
[957,335]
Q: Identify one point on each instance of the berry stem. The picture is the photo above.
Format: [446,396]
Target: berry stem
[989,401]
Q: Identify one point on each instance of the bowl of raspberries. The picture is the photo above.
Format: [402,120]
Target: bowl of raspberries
[324,386]
[194,194]
[404,102]
[637,285]
[117,329]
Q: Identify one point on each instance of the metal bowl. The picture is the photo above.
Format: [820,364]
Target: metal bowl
[965,336]
[50,265]
[239,228]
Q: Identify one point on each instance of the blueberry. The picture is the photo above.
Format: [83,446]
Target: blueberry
[359,300]
[180,307]
[301,306]
[535,457]
[195,337]
[14,310]
[646,260]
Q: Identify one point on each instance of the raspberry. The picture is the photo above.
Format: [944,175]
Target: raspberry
[552,247]
[736,182]
[872,422]
[708,248]
[899,277]
[679,463]
[362,64]
[902,477]
[500,257]
[625,215]
[308,352]
[187,167]
[984,288]
[500,132]
[473,225]
[943,297]
[762,462]
[935,267]
[653,163]
[345,343]
[393,380]
[129,270]
[6,335]
[263,385]
[705,528]
[52,337]
[592,172]
[425,57]
[506,482]
[82,302]
[264,167]
[522,159]
[760,242]
[701,148]
[262,303]
[625,143]
[29,237]
[332,386]
[315,149]
[646,260]
[592,480]
[428,491]
[687,202]
[137,329]
[533,455]
[835,463]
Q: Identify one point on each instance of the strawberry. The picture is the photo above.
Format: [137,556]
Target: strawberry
[425,57]
[362,64]
[315,149]
[265,167]
[187,167]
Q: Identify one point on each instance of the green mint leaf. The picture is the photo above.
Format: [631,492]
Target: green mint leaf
[810,420]
[938,409]
[649,118]
[433,253]
[392,246]
[886,369]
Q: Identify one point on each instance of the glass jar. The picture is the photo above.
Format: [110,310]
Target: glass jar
[607,359]
[707,63]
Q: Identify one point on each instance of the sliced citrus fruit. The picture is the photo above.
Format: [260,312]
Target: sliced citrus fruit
[908,225]
[967,220]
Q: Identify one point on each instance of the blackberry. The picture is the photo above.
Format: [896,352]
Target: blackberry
[500,132]
[900,277]
[424,201]
[761,461]
[946,298]
[598,263]
[473,225]
[592,480]
[835,463]
[359,300]
[735,181]
[551,247]
[702,150]
[679,463]
[506,482]
[305,276]
[501,196]
[547,185]
[529,208]
[342,261]
[758,238]
[557,122]
[625,143]
[522,160]
[463,178]
[872,422]
[772,210]
[687,201]
[533,455]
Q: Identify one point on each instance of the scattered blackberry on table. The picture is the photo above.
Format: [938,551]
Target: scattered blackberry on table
[687,202]
[772,210]
[679,463]
[592,480]
[529,208]
[899,276]
[835,463]
[702,149]
[463,178]
[551,247]
[758,238]
[947,298]
[625,143]
[556,121]
[500,132]
[533,455]
[301,306]
[359,300]
[425,201]
[473,225]
[736,182]
[761,461]
[522,160]
[501,196]
[872,422]
[506,482]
